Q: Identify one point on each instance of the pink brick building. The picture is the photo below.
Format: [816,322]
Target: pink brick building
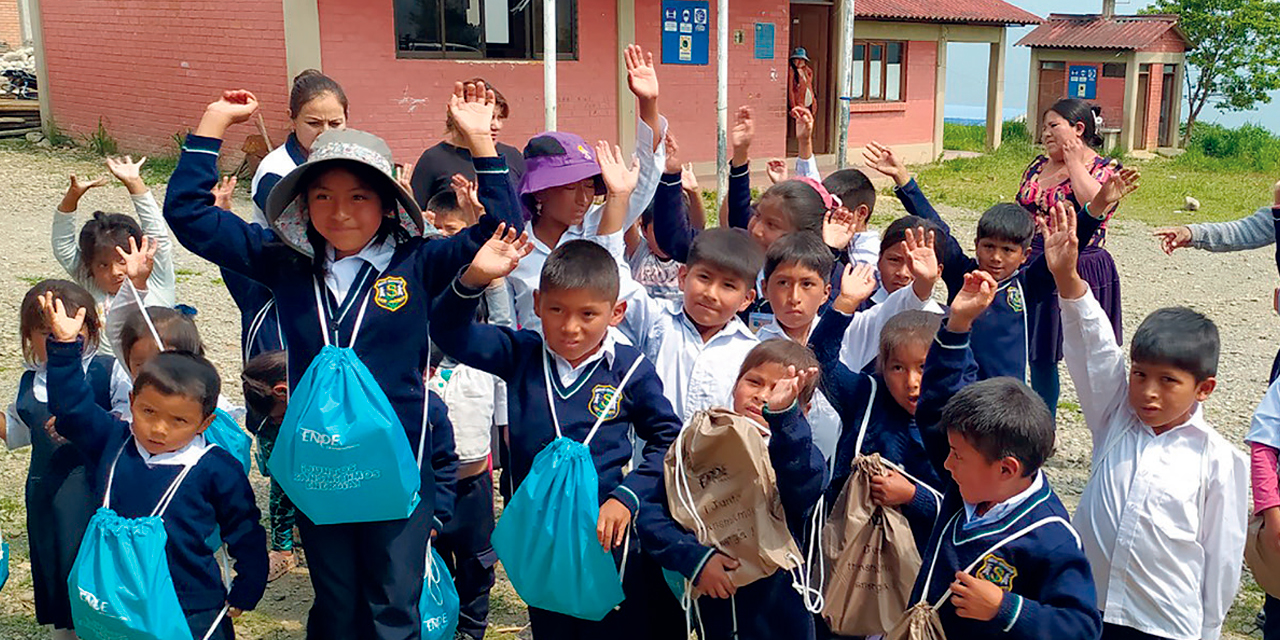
[148,67]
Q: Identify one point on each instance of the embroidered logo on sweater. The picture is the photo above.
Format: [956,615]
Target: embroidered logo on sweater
[997,571]
[391,293]
[599,406]
[1015,299]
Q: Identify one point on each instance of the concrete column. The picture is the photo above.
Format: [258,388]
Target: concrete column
[24,23]
[1033,94]
[42,68]
[626,102]
[940,95]
[1175,114]
[301,37]
[995,91]
[1129,128]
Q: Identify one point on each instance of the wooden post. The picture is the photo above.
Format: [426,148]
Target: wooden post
[995,92]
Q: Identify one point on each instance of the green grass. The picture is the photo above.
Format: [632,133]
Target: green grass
[31,281]
[183,275]
[1227,187]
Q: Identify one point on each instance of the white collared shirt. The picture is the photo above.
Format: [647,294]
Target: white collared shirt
[1163,517]
[524,280]
[340,275]
[824,421]
[190,454]
[1001,509]
[568,373]
[861,342]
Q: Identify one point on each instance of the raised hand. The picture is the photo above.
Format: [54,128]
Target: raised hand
[76,190]
[884,160]
[618,178]
[223,191]
[804,121]
[1121,184]
[468,194]
[839,227]
[404,176]
[139,261]
[235,106]
[742,134]
[126,170]
[672,153]
[497,257]
[642,76]
[924,261]
[688,179]
[856,285]
[1173,238]
[972,300]
[471,107]
[1062,250]
[62,327]
[776,169]
[787,389]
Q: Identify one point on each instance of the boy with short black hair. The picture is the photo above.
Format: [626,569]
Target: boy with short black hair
[858,195]
[173,401]
[1003,558]
[697,344]
[1163,516]
[577,364]
[773,388]
[447,214]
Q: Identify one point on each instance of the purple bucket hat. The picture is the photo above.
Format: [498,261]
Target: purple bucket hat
[554,159]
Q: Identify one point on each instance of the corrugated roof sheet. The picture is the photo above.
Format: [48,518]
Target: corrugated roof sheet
[958,11]
[1096,32]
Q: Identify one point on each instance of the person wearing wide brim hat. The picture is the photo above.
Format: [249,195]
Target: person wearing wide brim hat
[359,306]
[556,159]
[286,205]
[799,53]
[800,91]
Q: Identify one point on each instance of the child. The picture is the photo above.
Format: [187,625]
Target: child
[656,271]
[774,386]
[138,344]
[333,219]
[266,393]
[1264,448]
[857,196]
[795,283]
[110,244]
[450,157]
[60,488]
[1002,247]
[577,299]
[563,179]
[1163,515]
[698,345]
[1002,558]
[172,404]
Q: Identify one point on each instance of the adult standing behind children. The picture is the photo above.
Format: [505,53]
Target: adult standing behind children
[1070,170]
[449,157]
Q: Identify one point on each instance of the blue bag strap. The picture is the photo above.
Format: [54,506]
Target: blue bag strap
[256,326]
[547,364]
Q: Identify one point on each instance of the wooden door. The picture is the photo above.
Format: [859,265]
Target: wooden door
[811,29]
[1144,86]
[1053,87]
[1166,108]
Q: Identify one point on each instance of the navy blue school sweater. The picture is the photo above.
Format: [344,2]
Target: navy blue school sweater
[215,495]
[393,341]
[1000,334]
[1049,590]
[444,459]
[260,329]
[768,608]
[520,359]
[889,429]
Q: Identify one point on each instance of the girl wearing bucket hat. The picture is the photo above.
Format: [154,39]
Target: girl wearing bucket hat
[562,180]
[353,279]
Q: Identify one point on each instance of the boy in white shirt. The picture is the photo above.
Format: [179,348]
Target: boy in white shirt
[1163,516]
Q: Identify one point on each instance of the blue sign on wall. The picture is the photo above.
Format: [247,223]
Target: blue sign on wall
[1082,82]
[686,30]
[764,41]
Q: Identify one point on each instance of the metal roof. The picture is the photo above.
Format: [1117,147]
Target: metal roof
[1097,32]
[955,11]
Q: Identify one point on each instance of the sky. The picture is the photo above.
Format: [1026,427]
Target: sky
[967,71]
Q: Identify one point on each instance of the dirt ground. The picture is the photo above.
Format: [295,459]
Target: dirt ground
[1234,289]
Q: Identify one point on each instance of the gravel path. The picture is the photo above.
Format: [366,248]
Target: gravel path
[1234,289]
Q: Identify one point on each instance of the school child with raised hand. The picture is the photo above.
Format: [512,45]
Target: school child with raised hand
[348,267]
[773,390]
[573,380]
[160,465]
[98,259]
[60,488]
[1163,516]
[562,180]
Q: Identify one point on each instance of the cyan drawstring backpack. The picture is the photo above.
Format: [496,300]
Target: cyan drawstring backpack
[225,432]
[439,603]
[546,537]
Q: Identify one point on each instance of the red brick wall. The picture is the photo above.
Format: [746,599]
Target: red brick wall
[404,100]
[1152,123]
[149,67]
[10,28]
[914,122]
[1168,43]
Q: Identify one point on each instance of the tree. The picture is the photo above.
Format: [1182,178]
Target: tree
[1235,61]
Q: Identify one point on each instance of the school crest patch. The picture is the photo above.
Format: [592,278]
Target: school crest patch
[1015,298]
[997,571]
[601,394]
[391,293]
